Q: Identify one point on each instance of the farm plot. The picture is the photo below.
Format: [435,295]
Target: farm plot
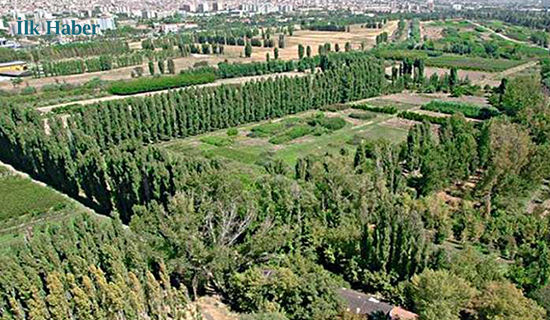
[290,138]
[25,203]
[20,197]
[471,63]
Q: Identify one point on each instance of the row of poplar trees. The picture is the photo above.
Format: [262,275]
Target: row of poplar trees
[80,50]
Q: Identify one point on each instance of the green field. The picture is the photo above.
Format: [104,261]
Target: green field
[251,149]
[470,63]
[22,200]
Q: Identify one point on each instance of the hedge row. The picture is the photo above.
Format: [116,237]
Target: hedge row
[367,107]
[409,115]
[469,110]
[160,83]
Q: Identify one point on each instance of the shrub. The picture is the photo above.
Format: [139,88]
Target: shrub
[232,132]
[331,123]
[335,107]
[267,129]
[366,107]
[294,132]
[362,115]
[28,90]
[409,115]
[160,83]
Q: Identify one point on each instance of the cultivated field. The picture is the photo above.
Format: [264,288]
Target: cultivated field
[250,150]
[25,202]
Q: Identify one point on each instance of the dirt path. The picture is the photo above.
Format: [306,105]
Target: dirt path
[214,84]
[506,37]
[497,76]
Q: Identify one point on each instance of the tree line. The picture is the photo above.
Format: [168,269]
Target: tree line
[79,66]
[106,276]
[80,50]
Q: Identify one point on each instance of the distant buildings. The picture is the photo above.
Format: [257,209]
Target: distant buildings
[105,23]
[169,28]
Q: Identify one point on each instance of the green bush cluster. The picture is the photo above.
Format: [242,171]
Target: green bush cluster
[294,132]
[409,115]
[267,130]
[362,115]
[330,123]
[335,107]
[469,110]
[232,132]
[385,109]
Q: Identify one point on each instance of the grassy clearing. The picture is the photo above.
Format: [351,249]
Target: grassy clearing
[252,145]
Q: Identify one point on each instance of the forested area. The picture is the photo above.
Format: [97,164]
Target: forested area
[8,55]
[444,224]
[106,276]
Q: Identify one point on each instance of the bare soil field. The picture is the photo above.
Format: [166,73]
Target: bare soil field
[432,32]
[474,76]
[356,36]
[411,98]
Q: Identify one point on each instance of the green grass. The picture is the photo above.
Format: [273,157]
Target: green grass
[21,197]
[218,141]
[251,150]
